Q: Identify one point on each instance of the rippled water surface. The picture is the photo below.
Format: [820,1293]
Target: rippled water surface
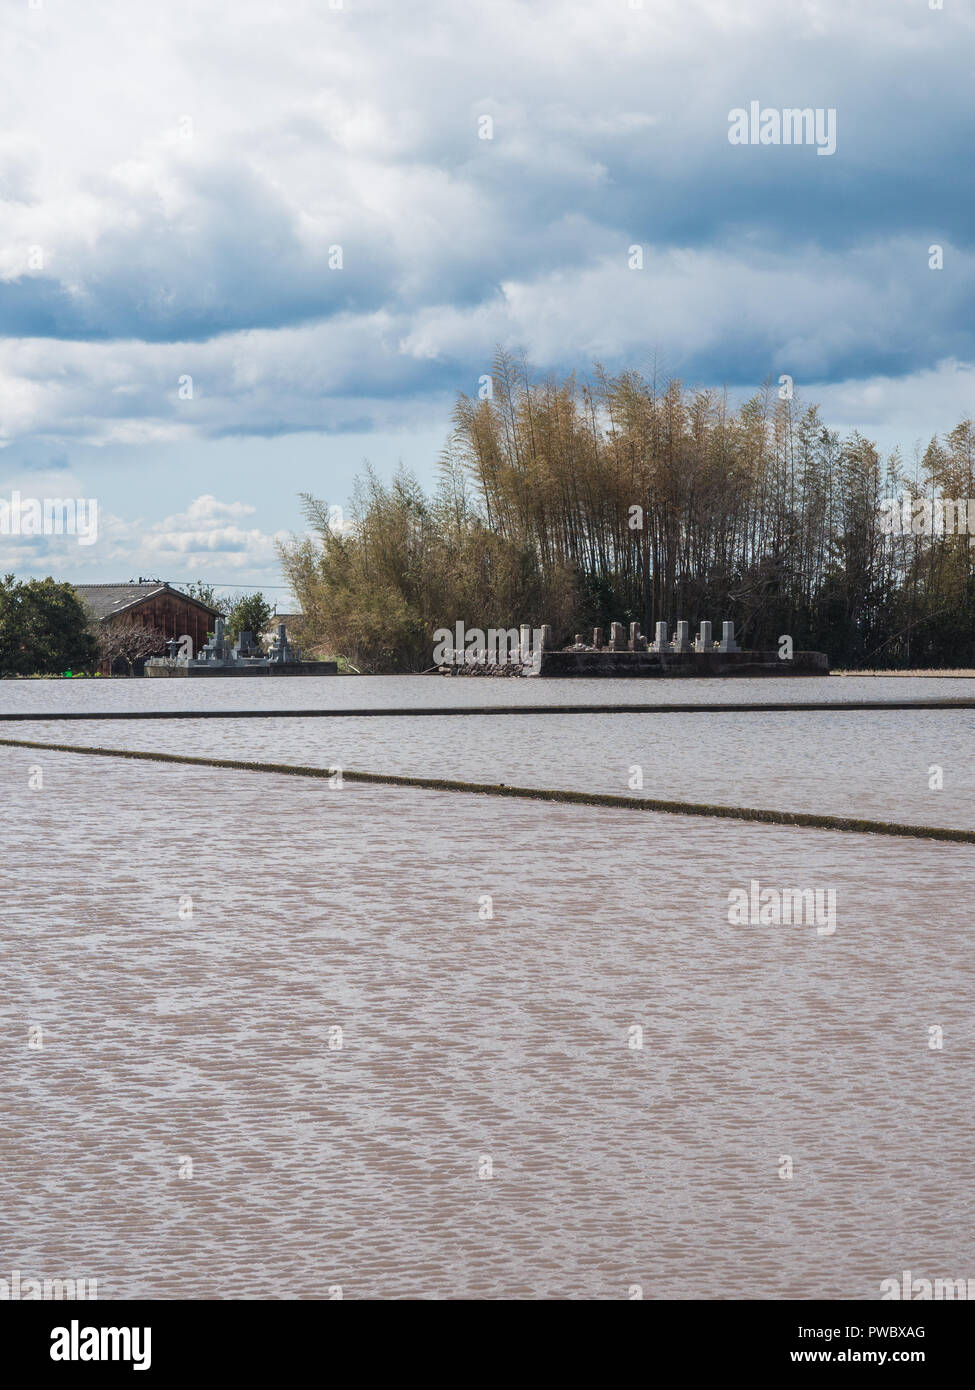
[468,1037]
[878,764]
[384,692]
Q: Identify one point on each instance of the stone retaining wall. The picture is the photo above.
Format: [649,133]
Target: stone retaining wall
[648,664]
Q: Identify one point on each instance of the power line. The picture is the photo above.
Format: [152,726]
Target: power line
[217,584]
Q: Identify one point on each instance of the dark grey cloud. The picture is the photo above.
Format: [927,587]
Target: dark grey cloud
[188,206]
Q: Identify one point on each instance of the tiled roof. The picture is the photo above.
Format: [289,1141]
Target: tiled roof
[105,600]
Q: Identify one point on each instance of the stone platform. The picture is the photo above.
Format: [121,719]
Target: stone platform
[529,653]
[161,667]
[218,658]
[669,664]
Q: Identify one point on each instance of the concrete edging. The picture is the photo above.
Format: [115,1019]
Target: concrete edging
[631,803]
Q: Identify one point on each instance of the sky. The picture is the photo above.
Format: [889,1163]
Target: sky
[245,247]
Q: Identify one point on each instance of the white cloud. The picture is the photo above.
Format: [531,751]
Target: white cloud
[186,168]
[205,535]
[805,314]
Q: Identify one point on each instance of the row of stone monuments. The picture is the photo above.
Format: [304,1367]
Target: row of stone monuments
[531,652]
[219,658]
[680,642]
[219,652]
[520,650]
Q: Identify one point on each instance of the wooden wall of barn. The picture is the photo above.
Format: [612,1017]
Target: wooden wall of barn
[174,615]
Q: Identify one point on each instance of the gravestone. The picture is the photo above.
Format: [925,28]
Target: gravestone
[682,640]
[728,643]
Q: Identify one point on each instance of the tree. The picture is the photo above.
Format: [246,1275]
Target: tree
[125,641]
[44,629]
[248,613]
[206,593]
[759,514]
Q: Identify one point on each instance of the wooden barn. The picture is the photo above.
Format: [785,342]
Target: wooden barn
[153,606]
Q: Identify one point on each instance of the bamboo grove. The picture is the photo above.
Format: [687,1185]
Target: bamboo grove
[576,503]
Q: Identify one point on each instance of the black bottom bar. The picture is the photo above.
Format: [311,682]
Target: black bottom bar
[732,1339]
